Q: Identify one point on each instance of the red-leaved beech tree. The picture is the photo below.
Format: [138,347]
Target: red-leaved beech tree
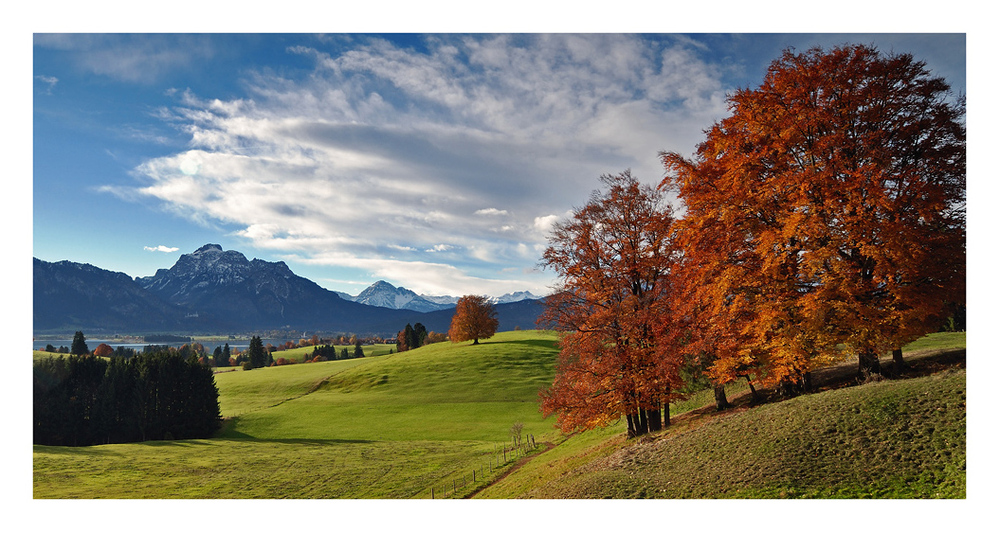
[612,260]
[828,209]
[475,318]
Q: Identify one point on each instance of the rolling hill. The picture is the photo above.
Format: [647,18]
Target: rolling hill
[407,424]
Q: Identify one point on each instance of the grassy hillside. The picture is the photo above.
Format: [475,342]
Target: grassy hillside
[398,426]
[393,426]
[439,392]
[890,439]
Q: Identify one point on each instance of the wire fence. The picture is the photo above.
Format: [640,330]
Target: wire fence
[496,463]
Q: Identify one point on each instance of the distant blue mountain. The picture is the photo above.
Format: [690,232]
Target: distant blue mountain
[71,296]
[217,291]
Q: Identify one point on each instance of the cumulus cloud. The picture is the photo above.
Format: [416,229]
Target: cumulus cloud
[160,248]
[382,153]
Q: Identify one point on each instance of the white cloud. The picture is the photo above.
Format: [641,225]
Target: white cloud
[49,81]
[544,224]
[491,211]
[131,58]
[384,152]
[160,248]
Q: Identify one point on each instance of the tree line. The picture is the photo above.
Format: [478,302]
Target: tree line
[331,353]
[824,217]
[81,400]
[415,336]
[475,318]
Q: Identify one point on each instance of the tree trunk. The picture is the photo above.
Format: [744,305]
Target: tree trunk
[631,425]
[897,360]
[868,363]
[643,423]
[653,419]
[475,341]
[786,388]
[721,402]
[807,382]
[666,414]
[754,397]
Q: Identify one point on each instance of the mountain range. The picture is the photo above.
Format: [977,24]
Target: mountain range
[220,291]
[384,294]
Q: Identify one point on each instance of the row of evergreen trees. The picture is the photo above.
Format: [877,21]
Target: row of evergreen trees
[331,353]
[86,400]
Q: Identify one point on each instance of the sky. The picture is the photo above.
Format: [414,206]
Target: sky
[438,162]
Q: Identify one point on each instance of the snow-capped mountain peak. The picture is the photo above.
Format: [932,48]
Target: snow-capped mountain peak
[514,297]
[384,294]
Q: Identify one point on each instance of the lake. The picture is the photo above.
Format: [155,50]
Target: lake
[240,344]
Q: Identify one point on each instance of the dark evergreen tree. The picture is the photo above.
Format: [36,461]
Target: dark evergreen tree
[256,354]
[219,358]
[419,335]
[358,352]
[124,353]
[158,395]
[79,344]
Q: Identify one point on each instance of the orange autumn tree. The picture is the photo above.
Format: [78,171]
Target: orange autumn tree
[475,318]
[841,180]
[724,290]
[612,259]
[103,350]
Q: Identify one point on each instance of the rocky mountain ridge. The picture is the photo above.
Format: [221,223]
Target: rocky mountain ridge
[215,290]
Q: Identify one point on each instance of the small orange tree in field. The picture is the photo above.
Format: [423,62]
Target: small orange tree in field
[475,318]
[103,350]
[828,209]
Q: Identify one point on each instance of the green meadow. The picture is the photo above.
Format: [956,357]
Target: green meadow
[437,419]
[393,426]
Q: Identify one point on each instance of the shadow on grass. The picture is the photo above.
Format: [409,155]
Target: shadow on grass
[228,432]
[923,363]
[236,435]
[100,450]
[538,343]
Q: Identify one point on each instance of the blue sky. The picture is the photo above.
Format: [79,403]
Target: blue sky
[437,162]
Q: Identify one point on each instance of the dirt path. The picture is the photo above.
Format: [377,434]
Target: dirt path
[520,462]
